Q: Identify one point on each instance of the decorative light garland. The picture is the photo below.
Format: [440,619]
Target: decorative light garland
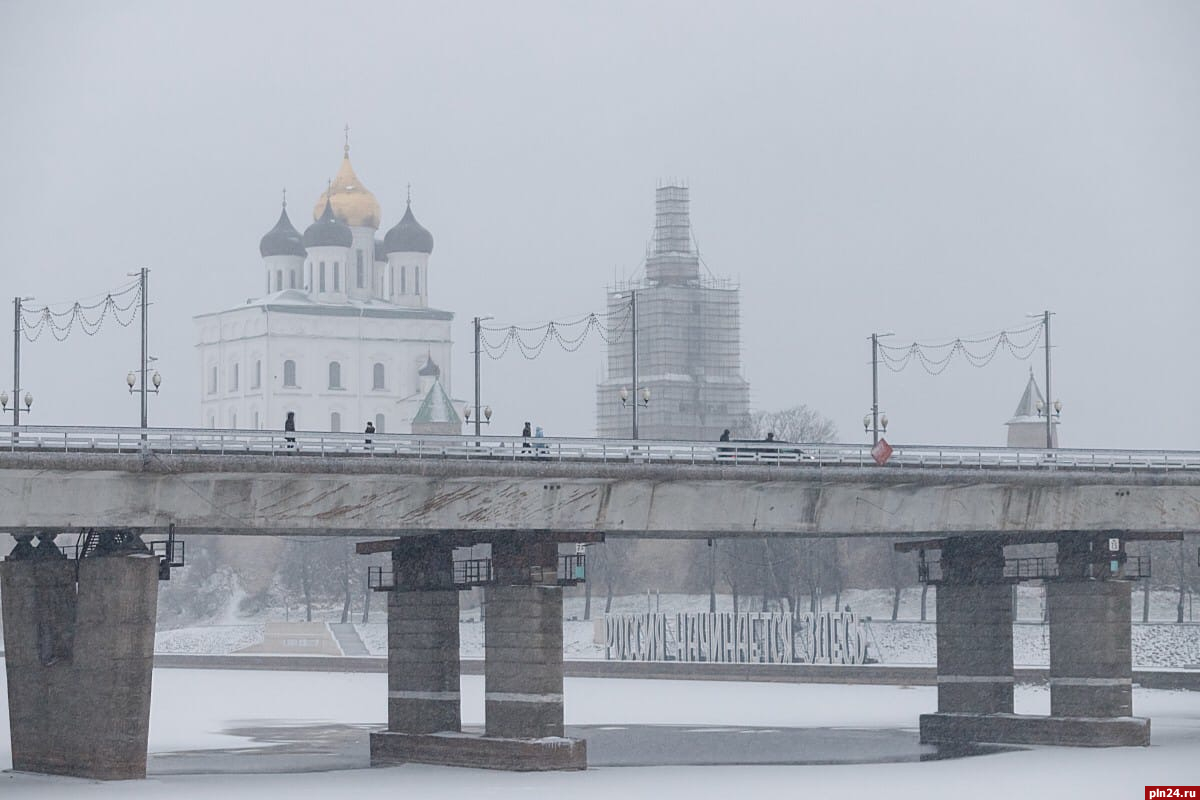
[35,321]
[935,358]
[570,336]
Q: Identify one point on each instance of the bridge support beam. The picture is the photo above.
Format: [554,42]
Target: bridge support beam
[1091,651]
[79,659]
[974,629]
[523,663]
[423,649]
[1090,654]
[523,638]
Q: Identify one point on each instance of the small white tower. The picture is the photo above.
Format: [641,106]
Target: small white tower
[408,246]
[283,254]
[1027,428]
[328,244]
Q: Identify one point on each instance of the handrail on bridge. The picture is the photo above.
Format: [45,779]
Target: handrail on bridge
[206,441]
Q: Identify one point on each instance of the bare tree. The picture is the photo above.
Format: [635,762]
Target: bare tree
[796,424]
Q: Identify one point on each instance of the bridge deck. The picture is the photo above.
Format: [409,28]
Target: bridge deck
[251,482]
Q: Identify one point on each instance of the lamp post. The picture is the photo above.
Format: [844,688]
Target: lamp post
[487,417]
[1051,412]
[488,411]
[16,367]
[16,405]
[1045,316]
[624,393]
[143,276]
[880,423]
[873,417]
[643,401]
[131,380]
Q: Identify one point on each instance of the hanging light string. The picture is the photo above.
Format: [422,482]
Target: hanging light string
[935,358]
[121,304]
[570,336]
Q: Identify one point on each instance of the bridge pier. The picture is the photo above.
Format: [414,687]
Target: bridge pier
[1091,650]
[1091,664]
[523,666]
[79,655]
[423,648]
[974,630]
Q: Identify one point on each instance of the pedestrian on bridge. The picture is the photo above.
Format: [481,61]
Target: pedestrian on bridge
[370,429]
[289,427]
[526,432]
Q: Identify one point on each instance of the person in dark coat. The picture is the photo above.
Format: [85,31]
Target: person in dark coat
[370,429]
[526,433]
[725,435]
[289,427]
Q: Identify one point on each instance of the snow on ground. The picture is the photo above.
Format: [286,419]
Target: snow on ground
[191,708]
[908,641]
[213,640]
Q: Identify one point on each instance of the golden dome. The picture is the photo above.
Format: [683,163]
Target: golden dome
[352,202]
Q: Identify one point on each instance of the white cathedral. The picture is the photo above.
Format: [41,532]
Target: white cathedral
[344,334]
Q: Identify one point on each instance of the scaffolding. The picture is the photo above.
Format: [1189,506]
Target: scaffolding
[689,341]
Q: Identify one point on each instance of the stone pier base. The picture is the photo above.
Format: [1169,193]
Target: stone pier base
[960,728]
[79,663]
[454,749]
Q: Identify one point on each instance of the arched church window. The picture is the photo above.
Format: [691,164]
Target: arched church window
[403,270]
[233,379]
[291,279]
[335,375]
[289,373]
[335,422]
[362,273]
[416,280]
[321,283]
[377,377]
[212,381]
[393,281]
[379,423]
[257,375]
[278,279]
[337,277]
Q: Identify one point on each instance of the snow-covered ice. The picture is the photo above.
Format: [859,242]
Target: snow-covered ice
[193,709]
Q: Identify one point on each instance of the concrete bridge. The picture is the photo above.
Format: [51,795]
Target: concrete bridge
[89,619]
[62,479]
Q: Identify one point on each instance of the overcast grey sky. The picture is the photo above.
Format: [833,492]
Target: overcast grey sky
[934,169]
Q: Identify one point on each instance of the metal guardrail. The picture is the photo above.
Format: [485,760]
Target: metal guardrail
[471,572]
[1042,568]
[308,444]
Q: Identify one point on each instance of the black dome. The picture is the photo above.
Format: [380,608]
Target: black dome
[408,236]
[430,369]
[328,232]
[282,240]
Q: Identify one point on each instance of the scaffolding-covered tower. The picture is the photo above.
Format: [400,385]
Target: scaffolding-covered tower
[688,340]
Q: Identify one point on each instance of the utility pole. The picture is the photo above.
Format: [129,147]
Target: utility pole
[874,389]
[1049,402]
[477,322]
[634,388]
[16,361]
[145,357]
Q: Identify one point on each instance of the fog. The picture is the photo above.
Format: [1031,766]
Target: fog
[932,169]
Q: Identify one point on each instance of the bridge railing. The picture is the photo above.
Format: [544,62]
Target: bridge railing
[77,439]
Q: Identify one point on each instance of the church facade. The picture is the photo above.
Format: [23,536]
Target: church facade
[343,333]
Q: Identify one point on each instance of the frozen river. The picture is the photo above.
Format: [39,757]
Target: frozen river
[243,734]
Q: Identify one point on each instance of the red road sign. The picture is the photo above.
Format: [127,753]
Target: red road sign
[881,452]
